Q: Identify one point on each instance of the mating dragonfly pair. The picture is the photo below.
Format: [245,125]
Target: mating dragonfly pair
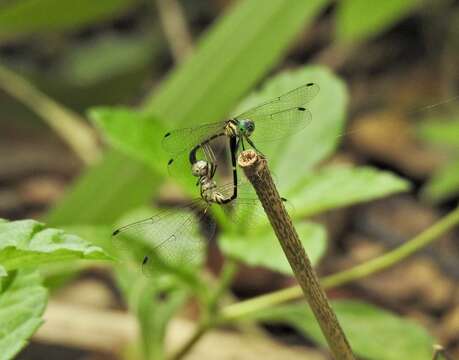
[173,232]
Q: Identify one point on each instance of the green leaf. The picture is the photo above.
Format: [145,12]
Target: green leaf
[27,243]
[443,184]
[372,332]
[358,20]
[57,275]
[263,249]
[339,186]
[26,17]
[22,304]
[134,133]
[239,49]
[441,132]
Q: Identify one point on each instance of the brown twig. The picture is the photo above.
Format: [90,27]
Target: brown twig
[175,28]
[256,169]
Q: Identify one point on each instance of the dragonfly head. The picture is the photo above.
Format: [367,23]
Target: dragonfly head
[246,127]
[201,168]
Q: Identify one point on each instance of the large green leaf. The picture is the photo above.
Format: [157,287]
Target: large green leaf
[340,186]
[22,303]
[262,248]
[360,19]
[27,243]
[372,332]
[239,49]
[25,17]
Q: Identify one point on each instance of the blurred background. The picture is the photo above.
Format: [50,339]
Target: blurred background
[398,59]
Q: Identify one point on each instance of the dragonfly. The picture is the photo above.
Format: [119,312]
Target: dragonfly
[272,120]
[174,234]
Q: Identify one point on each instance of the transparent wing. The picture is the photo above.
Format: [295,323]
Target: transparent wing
[283,115]
[246,210]
[294,98]
[174,236]
[183,140]
[282,124]
[244,188]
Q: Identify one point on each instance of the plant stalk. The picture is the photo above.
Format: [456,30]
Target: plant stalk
[70,126]
[256,169]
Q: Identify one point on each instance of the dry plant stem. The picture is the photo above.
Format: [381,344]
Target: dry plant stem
[239,310]
[67,124]
[175,28]
[256,169]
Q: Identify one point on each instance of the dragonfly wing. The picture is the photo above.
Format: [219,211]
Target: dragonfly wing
[292,99]
[173,236]
[183,140]
[281,124]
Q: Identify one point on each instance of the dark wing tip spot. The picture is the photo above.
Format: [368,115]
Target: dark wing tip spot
[310,84]
[167,134]
[301,109]
[116,232]
[170,161]
[284,199]
[145,260]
